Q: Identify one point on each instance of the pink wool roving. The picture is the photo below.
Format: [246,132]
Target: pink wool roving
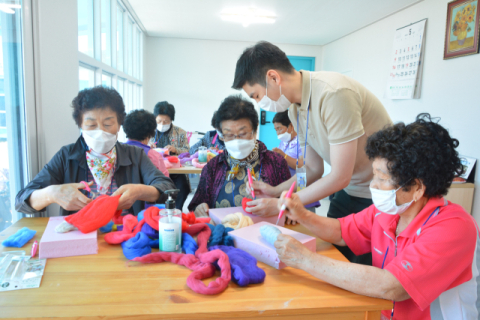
[131,227]
[202,268]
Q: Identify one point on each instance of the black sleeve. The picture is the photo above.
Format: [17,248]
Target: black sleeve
[53,173]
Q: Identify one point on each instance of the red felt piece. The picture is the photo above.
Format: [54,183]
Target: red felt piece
[203,232]
[245,202]
[202,268]
[189,219]
[95,215]
[130,229]
[173,159]
[151,216]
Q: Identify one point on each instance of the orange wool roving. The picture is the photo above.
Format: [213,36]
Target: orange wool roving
[96,214]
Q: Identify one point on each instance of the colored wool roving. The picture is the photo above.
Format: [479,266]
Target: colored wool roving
[137,246]
[244,266]
[19,238]
[220,236]
[269,233]
[236,221]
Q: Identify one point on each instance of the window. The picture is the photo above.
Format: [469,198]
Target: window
[13,157]
[129,47]
[106,80]
[86,77]
[119,38]
[120,86]
[85,27]
[106,34]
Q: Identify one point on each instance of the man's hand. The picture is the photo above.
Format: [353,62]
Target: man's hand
[262,190]
[264,207]
[68,196]
[279,151]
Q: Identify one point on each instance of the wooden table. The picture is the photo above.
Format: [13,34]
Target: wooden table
[185,170]
[107,286]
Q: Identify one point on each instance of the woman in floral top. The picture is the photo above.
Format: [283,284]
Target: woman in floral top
[175,140]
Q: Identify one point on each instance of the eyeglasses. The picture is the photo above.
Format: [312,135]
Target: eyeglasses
[245,136]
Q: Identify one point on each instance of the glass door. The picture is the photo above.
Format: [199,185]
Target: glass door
[13,151]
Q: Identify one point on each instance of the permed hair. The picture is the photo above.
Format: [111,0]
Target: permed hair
[282,117]
[255,61]
[140,125]
[164,108]
[98,97]
[236,107]
[420,150]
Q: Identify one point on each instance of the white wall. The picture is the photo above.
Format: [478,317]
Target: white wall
[196,75]
[450,87]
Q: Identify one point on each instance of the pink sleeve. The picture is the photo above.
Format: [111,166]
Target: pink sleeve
[439,259]
[357,230]
[157,161]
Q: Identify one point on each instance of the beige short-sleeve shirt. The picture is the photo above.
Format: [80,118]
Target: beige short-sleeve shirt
[341,110]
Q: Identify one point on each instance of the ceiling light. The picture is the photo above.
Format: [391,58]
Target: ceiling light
[247,15]
[8,8]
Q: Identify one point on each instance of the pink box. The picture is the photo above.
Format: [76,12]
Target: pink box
[250,240]
[73,243]
[217,216]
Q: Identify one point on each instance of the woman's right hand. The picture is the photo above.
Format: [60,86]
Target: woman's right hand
[68,196]
[201,210]
[295,210]
[262,190]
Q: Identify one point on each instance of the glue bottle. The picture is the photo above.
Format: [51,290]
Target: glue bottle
[170,226]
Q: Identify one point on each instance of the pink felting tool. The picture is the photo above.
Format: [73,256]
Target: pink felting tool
[287,196]
[34,248]
[87,187]
[250,181]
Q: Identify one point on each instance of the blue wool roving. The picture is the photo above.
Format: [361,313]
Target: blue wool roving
[244,266]
[19,238]
[220,236]
[189,246]
[137,246]
[154,244]
[106,228]
[140,215]
[269,233]
[149,231]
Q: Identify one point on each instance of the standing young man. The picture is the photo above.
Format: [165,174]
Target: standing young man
[333,116]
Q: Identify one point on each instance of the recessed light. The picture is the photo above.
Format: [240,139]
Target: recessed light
[247,15]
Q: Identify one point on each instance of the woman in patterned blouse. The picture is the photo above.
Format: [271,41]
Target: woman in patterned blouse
[175,140]
[223,180]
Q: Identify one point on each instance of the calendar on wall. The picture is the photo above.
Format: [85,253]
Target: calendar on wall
[406,65]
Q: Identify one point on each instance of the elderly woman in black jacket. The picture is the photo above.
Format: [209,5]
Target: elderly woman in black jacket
[109,167]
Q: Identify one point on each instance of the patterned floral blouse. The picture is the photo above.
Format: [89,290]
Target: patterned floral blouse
[175,136]
[215,191]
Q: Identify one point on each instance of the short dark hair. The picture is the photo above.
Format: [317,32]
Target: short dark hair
[214,121]
[164,108]
[255,61]
[98,97]
[421,150]
[282,117]
[236,107]
[140,125]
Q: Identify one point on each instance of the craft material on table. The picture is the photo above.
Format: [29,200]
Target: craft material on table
[245,202]
[237,220]
[75,243]
[287,196]
[131,227]
[250,240]
[244,266]
[137,246]
[220,235]
[218,214]
[270,233]
[96,214]
[18,271]
[34,249]
[19,238]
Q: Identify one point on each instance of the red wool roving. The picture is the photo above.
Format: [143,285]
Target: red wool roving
[151,216]
[245,202]
[173,159]
[96,214]
[130,229]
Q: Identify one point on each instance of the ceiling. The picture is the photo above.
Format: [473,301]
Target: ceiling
[309,22]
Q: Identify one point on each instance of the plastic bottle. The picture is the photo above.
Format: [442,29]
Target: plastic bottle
[170,226]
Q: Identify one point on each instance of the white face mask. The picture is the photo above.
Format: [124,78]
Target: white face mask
[99,140]
[240,148]
[163,128]
[285,137]
[220,134]
[268,104]
[385,201]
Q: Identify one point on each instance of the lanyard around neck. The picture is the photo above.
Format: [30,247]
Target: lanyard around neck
[308,116]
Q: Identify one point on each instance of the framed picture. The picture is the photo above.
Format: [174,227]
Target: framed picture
[462,31]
